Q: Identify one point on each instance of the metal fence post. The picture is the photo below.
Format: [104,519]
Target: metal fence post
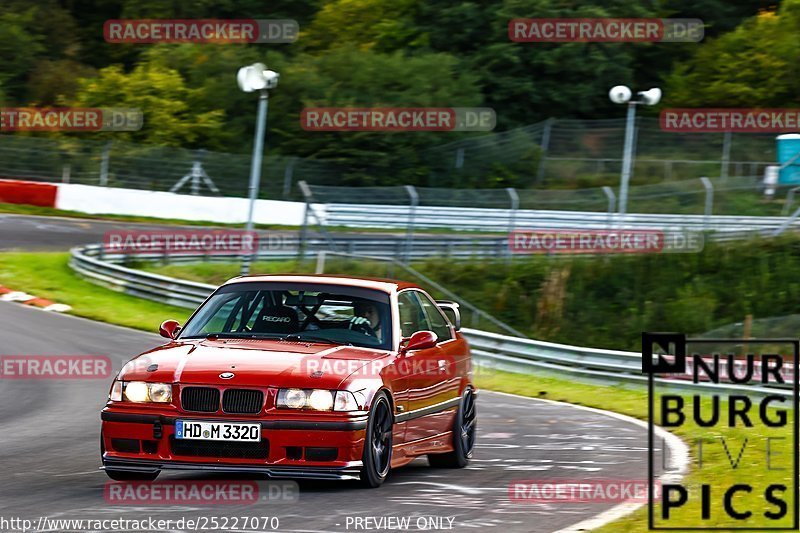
[459,158]
[709,201]
[414,197]
[545,146]
[612,201]
[726,155]
[306,190]
[104,160]
[512,216]
[65,173]
[288,172]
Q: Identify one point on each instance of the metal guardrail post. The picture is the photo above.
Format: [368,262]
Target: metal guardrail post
[786,224]
[414,198]
[789,200]
[612,201]
[320,268]
[709,200]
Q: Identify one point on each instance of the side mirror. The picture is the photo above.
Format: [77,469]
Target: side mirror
[420,341]
[452,312]
[169,329]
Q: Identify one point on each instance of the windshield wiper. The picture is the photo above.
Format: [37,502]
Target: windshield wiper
[312,338]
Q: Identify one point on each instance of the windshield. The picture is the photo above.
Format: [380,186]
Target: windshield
[313,312]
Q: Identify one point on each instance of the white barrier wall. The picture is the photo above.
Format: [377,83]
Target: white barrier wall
[113,201]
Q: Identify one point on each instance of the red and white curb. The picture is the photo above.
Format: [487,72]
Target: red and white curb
[10,295]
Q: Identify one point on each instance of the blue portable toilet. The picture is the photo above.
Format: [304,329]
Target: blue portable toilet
[789,148]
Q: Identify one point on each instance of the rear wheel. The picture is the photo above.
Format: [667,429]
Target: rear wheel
[377,456]
[464,431]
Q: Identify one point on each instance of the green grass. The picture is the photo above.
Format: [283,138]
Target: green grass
[47,275]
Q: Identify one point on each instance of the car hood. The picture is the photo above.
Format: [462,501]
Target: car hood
[253,363]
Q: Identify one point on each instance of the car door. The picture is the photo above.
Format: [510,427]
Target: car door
[429,390]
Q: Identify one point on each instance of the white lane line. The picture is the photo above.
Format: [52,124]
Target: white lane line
[677,467]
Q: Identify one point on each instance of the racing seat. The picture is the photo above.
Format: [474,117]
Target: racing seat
[277,319]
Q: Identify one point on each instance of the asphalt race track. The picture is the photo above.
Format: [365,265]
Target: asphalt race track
[49,437]
[49,433]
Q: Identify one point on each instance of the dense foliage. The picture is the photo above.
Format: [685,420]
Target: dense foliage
[385,52]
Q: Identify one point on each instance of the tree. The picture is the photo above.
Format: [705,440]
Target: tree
[756,65]
[162,96]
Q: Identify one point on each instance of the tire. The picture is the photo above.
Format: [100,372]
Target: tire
[123,475]
[377,455]
[464,432]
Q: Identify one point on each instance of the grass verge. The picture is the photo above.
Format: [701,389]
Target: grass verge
[47,275]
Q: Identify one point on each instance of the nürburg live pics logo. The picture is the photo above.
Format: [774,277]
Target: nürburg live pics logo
[735,404]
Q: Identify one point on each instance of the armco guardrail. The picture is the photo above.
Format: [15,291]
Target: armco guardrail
[501,220]
[607,366]
[491,350]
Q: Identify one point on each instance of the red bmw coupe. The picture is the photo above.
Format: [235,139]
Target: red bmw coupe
[318,377]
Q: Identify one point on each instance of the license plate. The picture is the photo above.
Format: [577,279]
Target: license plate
[224,431]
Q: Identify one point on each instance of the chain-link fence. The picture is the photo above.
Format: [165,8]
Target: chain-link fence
[744,195]
[569,153]
[553,154]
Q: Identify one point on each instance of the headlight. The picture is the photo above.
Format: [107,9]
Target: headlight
[136,391]
[316,399]
[143,392]
[160,392]
[321,400]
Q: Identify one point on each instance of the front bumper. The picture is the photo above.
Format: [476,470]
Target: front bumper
[291,448]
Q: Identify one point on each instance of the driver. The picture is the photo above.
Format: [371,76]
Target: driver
[367,319]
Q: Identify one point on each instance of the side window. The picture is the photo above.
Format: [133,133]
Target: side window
[437,320]
[412,317]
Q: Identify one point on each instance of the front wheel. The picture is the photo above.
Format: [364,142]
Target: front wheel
[377,456]
[464,431]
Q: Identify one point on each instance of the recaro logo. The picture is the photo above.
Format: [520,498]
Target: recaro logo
[276,319]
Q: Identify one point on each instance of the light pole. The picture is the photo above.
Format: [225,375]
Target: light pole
[256,77]
[622,95]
